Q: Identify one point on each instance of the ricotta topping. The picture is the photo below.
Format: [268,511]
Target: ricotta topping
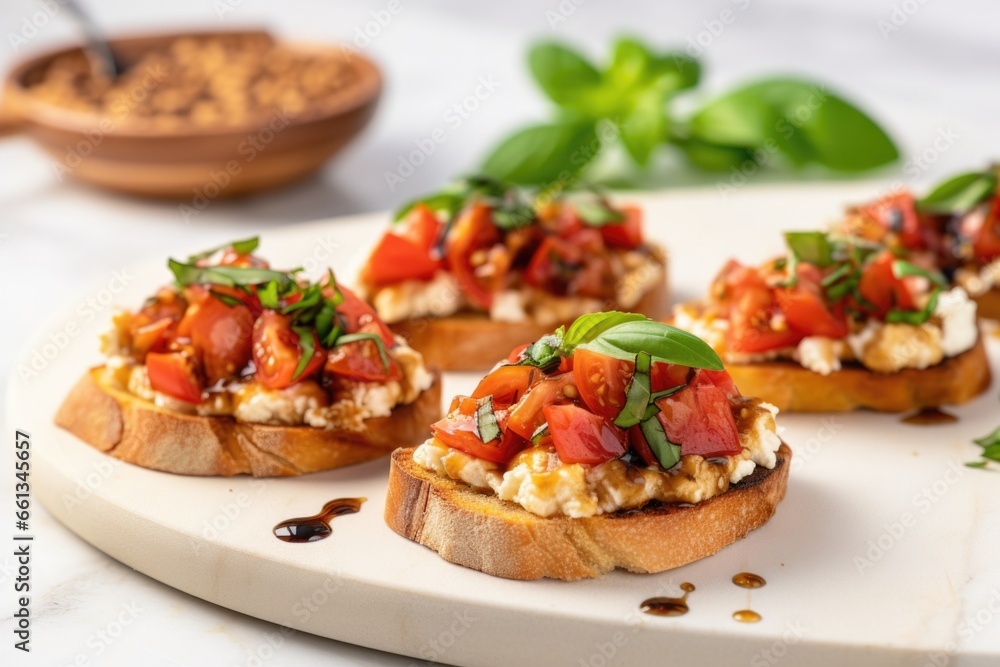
[978,283]
[537,480]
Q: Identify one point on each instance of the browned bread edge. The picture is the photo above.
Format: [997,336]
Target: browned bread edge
[482,532]
[135,430]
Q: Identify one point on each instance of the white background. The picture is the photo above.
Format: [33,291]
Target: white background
[61,242]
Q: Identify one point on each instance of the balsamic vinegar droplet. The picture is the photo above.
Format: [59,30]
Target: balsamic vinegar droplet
[746,616]
[668,606]
[748,580]
[316,527]
[929,417]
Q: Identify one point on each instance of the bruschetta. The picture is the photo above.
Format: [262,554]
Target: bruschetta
[956,226]
[840,323]
[238,368]
[616,443]
[468,273]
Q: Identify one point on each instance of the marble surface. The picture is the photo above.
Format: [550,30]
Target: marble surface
[935,75]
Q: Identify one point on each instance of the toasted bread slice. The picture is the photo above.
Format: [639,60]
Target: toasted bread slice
[793,388]
[988,304]
[472,341]
[135,430]
[480,531]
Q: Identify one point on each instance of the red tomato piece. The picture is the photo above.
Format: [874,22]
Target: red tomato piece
[602,381]
[397,259]
[580,436]
[897,214]
[221,335]
[277,352]
[666,376]
[507,383]
[880,287]
[153,337]
[472,232]
[627,233]
[358,313]
[700,420]
[460,431]
[526,415]
[639,445]
[986,244]
[806,312]
[173,374]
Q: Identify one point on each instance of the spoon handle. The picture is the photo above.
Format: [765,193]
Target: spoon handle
[102,57]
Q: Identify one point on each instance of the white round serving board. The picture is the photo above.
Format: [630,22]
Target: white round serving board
[862,568]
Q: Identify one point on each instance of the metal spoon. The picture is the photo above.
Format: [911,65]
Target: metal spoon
[102,58]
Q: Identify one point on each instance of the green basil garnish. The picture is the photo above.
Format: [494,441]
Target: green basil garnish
[230,276]
[901,269]
[638,396]
[898,316]
[540,433]
[241,247]
[810,247]
[306,342]
[543,353]
[666,452]
[597,213]
[486,420]
[960,194]
[588,327]
[375,338]
[661,341]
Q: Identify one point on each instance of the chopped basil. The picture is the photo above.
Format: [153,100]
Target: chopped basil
[810,247]
[540,433]
[543,353]
[990,440]
[486,420]
[268,295]
[901,269]
[914,316]
[306,342]
[960,194]
[328,325]
[230,276]
[666,452]
[638,395]
[661,341]
[241,247]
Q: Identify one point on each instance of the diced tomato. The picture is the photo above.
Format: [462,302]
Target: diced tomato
[580,436]
[358,313]
[986,244]
[515,354]
[277,351]
[526,415]
[422,227]
[152,337]
[752,309]
[806,312]
[362,360]
[704,377]
[221,334]
[627,233]
[460,431]
[666,376]
[602,381]
[472,232]
[880,287]
[700,420]
[507,383]
[639,445]
[396,259]
[173,374]
[897,214]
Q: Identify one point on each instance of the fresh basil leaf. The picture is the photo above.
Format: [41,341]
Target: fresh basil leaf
[588,327]
[666,452]
[681,70]
[901,269]
[960,194]
[544,153]
[713,157]
[241,247]
[487,427]
[231,276]
[328,324]
[644,127]
[268,295]
[662,341]
[663,393]
[992,452]
[810,247]
[803,120]
[914,316]
[989,440]
[976,464]
[375,338]
[544,353]
[306,342]
[631,64]
[834,276]
[563,74]
[310,297]
[638,395]
[449,202]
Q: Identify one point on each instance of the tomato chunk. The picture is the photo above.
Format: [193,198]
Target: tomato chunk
[173,374]
[580,436]
[882,289]
[221,334]
[806,312]
[700,420]
[507,383]
[357,313]
[602,381]
[460,431]
[986,245]
[627,233]
[474,231]
[639,445]
[277,352]
[362,360]
[526,416]
[897,214]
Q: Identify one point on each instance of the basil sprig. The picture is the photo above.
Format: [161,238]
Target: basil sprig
[634,93]
[960,194]
[487,427]
[991,449]
[662,342]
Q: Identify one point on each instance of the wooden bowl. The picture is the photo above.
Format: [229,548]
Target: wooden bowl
[195,163]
